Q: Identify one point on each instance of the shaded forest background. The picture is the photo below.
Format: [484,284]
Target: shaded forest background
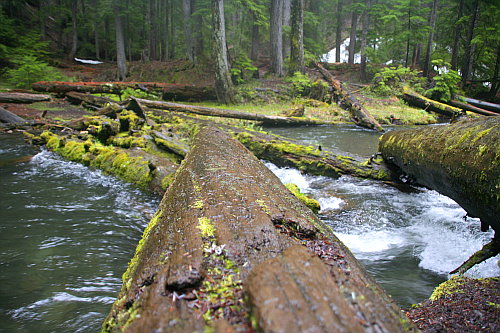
[427,35]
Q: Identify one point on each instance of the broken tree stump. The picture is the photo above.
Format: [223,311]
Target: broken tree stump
[225,215]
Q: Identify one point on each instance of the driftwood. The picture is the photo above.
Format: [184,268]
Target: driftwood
[472,108]
[8,117]
[360,115]
[225,113]
[167,90]
[415,99]
[458,160]
[226,230]
[11,97]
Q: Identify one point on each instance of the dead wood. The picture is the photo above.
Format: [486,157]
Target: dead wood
[12,97]
[348,102]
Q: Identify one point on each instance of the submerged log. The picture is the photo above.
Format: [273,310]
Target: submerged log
[222,218]
[172,91]
[461,161]
[225,113]
[360,115]
[415,99]
[11,97]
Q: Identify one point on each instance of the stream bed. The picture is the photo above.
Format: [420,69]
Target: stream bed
[68,232]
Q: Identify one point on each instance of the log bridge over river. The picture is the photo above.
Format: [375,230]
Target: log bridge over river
[231,247]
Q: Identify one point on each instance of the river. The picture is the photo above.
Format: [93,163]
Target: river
[67,232]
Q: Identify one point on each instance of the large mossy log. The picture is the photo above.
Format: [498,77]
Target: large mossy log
[169,91]
[226,113]
[228,230]
[461,161]
[360,115]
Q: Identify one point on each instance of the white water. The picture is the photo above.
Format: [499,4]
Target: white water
[387,230]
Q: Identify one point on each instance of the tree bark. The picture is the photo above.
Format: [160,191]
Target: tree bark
[223,84]
[188,29]
[352,36]
[297,38]
[338,30]
[456,37]
[360,115]
[120,42]
[74,30]
[254,53]
[191,250]
[276,37]
[470,47]
[458,160]
[6,97]
[430,40]
[364,39]
[287,22]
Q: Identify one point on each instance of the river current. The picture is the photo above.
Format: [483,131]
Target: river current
[67,232]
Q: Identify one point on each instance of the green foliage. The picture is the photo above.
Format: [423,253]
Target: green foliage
[392,79]
[301,84]
[127,92]
[30,70]
[445,83]
[242,69]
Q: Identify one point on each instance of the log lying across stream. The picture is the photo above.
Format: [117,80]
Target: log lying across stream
[227,231]
[461,161]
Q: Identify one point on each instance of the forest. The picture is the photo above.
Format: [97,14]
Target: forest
[250,165]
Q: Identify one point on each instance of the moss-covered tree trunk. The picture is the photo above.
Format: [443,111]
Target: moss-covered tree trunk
[461,161]
[228,230]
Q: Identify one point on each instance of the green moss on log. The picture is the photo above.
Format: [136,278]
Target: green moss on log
[309,202]
[461,161]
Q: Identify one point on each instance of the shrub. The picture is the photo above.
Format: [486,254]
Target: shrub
[30,70]
[242,70]
[391,79]
[301,84]
[445,84]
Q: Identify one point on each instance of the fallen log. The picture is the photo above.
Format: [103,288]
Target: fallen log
[461,161]
[360,115]
[171,91]
[415,99]
[8,117]
[225,113]
[472,108]
[207,249]
[484,105]
[87,99]
[12,97]
[286,153]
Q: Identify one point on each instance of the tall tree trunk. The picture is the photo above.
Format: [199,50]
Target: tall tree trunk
[188,29]
[364,38]
[43,18]
[415,59]
[277,37]
[338,31]
[120,42]
[223,84]
[456,38]
[172,30]
[495,80]
[297,37]
[352,36]
[197,31]
[254,53]
[166,26]
[409,37]
[470,48]
[430,40]
[96,29]
[287,13]
[74,31]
